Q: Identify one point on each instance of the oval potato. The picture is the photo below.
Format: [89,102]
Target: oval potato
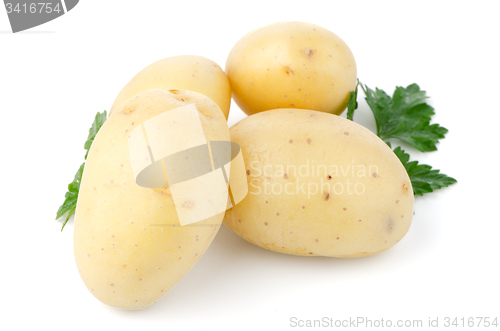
[123,258]
[187,72]
[319,185]
[291,65]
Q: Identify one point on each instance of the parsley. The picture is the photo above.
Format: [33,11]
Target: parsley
[406,116]
[71,197]
[352,104]
[423,178]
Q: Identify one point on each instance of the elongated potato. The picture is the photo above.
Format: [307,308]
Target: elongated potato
[123,257]
[319,185]
[188,72]
[291,65]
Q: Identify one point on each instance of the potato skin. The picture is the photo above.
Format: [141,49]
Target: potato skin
[188,72]
[123,260]
[291,65]
[328,222]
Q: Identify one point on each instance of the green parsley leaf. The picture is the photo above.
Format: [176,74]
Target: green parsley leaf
[99,120]
[71,197]
[405,116]
[352,104]
[423,178]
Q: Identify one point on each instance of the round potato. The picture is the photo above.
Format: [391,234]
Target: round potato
[291,65]
[129,246]
[188,72]
[319,185]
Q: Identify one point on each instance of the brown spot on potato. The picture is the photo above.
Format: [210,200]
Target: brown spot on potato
[309,52]
[344,208]
[311,253]
[289,71]
[375,175]
[309,141]
[129,111]
[239,220]
[248,172]
[329,177]
[390,225]
[327,196]
[285,176]
[303,207]
[266,224]
[277,214]
[346,133]
[359,220]
[290,141]
[397,201]
[188,204]
[267,202]
[316,240]
[112,284]
[338,238]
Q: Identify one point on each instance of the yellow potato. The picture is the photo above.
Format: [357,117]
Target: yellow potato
[319,185]
[188,72]
[123,258]
[291,65]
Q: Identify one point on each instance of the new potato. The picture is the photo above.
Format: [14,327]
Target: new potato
[291,65]
[123,258]
[188,72]
[319,185]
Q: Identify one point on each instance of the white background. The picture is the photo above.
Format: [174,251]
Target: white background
[55,77]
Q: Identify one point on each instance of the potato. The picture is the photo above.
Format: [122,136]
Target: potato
[319,185]
[188,72]
[124,260]
[291,65]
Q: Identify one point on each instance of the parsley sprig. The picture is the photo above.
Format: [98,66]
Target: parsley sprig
[424,179]
[406,116]
[71,197]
